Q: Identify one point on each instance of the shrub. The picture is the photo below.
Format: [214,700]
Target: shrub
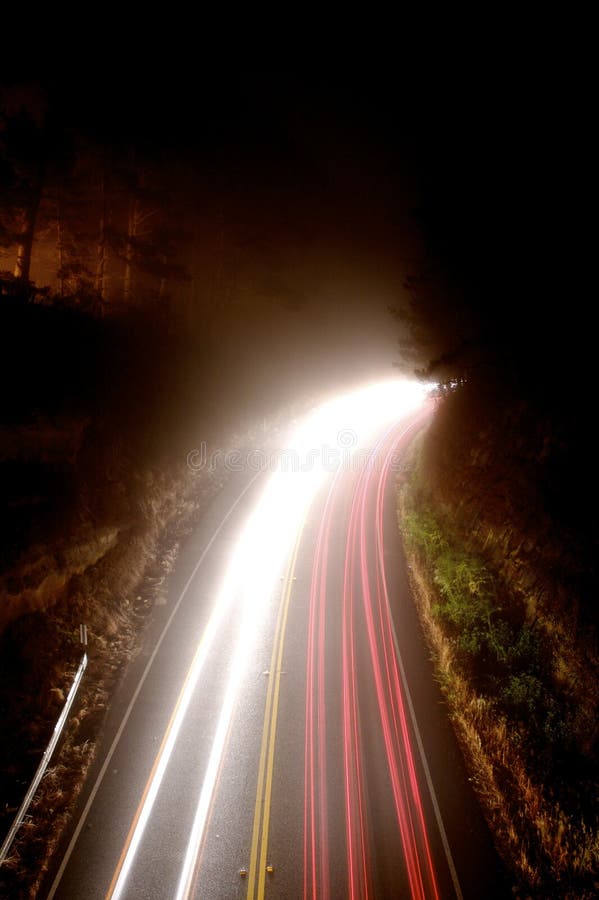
[507,658]
[424,535]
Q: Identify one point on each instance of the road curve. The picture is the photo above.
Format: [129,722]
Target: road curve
[289,745]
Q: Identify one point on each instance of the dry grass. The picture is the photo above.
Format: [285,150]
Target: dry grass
[113,597]
[553,854]
[37,580]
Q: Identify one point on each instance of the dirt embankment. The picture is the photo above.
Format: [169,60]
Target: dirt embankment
[102,571]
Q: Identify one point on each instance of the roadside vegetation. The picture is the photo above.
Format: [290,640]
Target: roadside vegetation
[40,651]
[96,497]
[524,730]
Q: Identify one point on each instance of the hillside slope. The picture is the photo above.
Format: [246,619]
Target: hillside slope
[497,515]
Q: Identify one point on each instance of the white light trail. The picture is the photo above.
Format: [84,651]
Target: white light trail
[265,543]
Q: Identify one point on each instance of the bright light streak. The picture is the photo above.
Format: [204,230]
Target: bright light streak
[267,541]
[247,589]
[168,744]
[347,422]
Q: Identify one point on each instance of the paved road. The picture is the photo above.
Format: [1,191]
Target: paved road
[281,735]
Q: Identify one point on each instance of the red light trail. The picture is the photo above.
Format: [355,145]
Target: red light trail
[365,614]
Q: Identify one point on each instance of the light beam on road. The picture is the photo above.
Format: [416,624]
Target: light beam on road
[324,440]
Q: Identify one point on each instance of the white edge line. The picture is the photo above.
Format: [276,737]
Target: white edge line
[429,780]
[427,773]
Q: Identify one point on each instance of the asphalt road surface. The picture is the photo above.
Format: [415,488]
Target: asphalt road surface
[281,734]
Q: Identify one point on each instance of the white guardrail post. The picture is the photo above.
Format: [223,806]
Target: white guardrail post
[58,728]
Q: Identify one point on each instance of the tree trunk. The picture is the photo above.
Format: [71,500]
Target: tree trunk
[100,279]
[28,218]
[59,249]
[130,249]
[217,283]
[163,282]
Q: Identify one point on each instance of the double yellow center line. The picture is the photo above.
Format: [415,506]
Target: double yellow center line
[259,848]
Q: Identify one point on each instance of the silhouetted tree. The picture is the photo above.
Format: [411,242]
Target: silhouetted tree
[23,158]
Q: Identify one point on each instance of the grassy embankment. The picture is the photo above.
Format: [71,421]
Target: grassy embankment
[522,728]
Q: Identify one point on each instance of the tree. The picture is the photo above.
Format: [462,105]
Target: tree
[101,246]
[23,158]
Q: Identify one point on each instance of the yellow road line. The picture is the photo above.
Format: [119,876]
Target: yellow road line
[267,749]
